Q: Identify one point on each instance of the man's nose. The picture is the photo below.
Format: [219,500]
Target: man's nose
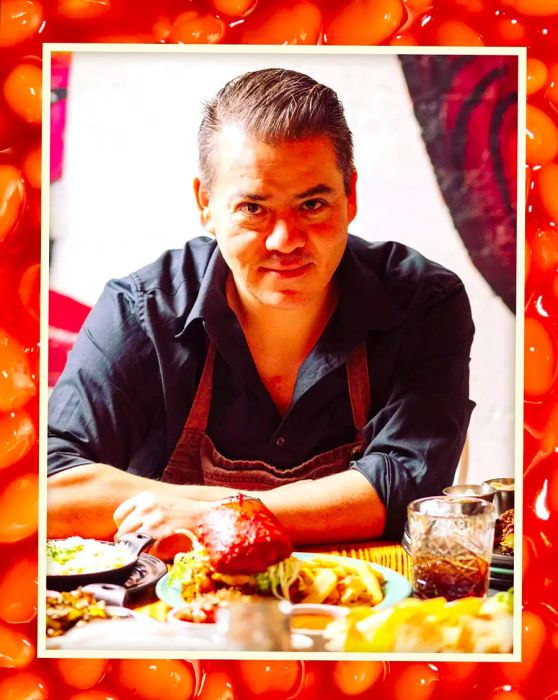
[285,236]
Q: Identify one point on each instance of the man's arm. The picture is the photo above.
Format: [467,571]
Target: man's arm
[414,441]
[336,508]
[82,500]
[342,507]
[100,412]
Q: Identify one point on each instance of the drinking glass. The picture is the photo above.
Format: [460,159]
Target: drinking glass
[451,542]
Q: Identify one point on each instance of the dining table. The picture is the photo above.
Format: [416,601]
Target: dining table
[146,607]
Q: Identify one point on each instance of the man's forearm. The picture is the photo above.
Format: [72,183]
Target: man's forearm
[339,508]
[82,500]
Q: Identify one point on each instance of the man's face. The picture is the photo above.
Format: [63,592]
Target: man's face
[280,215]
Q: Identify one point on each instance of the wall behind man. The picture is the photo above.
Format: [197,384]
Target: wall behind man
[126,194]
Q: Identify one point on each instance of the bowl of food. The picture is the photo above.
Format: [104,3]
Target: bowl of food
[483,491]
[312,620]
[199,615]
[199,618]
[179,618]
[504,493]
[67,610]
[73,562]
[504,534]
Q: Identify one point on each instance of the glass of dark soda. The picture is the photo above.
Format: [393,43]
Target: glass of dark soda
[451,543]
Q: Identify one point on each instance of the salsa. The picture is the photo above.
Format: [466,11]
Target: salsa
[310,621]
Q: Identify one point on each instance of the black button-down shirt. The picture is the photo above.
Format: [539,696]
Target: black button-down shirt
[131,377]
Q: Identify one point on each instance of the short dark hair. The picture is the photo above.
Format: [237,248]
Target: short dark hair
[276,105]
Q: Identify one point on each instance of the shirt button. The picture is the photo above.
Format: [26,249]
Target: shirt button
[280,442]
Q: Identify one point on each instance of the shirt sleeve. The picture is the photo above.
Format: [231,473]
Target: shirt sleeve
[414,442]
[98,410]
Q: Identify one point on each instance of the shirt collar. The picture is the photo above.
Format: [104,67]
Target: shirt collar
[364,306]
[220,322]
[364,303]
[210,305]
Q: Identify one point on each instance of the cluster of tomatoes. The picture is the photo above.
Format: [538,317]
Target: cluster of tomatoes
[24,26]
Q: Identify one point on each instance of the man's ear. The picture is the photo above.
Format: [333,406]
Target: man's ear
[202,196]
[352,196]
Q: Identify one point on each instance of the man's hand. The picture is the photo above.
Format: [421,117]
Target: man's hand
[160,516]
[82,500]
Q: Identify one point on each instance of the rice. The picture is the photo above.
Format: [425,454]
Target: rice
[76,555]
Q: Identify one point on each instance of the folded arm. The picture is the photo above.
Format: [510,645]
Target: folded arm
[97,500]
[82,501]
[414,441]
[342,507]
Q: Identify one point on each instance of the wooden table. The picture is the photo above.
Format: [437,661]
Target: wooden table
[388,554]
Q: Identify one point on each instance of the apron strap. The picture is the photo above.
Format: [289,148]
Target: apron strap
[359,387]
[357,377]
[199,412]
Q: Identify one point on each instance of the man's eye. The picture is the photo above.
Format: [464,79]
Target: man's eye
[312,205]
[251,208]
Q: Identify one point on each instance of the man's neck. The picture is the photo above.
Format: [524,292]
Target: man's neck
[282,332]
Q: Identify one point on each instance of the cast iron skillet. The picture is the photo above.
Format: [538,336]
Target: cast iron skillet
[136,541]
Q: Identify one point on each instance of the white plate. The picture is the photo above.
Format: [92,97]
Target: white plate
[143,635]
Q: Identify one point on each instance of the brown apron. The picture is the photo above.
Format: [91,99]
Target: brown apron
[195,459]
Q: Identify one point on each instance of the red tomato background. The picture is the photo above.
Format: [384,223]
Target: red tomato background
[24,25]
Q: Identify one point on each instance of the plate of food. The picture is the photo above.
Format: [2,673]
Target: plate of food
[467,625]
[304,578]
[75,561]
[504,540]
[68,610]
[241,550]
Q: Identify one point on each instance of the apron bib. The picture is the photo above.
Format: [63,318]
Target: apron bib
[195,459]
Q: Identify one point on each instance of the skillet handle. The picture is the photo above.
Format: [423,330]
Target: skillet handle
[109,592]
[137,541]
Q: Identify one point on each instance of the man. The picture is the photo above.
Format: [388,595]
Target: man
[281,356]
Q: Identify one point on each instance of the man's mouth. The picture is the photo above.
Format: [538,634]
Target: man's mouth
[286,271]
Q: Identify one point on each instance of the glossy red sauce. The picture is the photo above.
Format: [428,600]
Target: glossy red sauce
[24,25]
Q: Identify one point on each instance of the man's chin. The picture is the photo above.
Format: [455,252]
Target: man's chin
[283,299]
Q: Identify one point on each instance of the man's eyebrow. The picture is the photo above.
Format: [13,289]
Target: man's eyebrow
[252,197]
[317,189]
